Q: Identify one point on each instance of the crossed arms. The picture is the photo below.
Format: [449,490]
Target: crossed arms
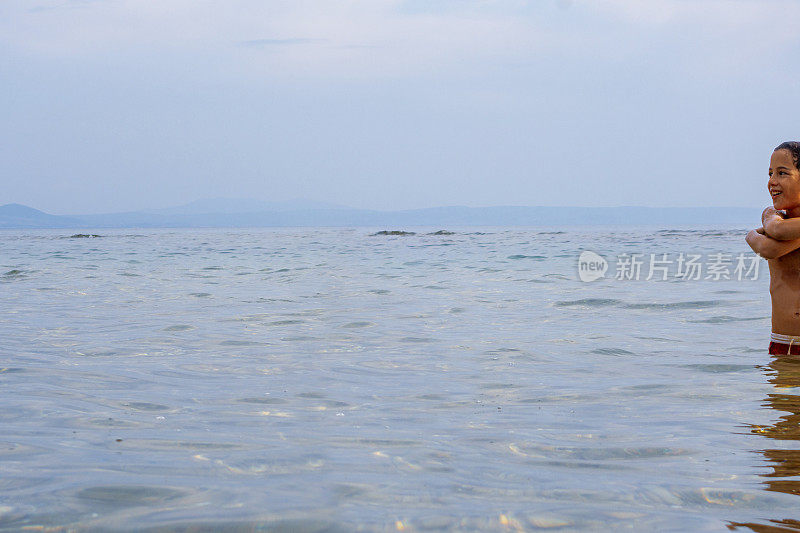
[777,237]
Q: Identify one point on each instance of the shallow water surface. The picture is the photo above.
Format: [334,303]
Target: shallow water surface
[329,379]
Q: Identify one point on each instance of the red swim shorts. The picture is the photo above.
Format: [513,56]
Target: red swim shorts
[780,344]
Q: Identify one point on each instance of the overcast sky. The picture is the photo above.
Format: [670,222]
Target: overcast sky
[112,105]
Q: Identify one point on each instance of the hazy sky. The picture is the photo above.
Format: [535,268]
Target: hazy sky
[112,105]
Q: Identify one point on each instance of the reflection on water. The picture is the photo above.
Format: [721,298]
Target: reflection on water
[782,456]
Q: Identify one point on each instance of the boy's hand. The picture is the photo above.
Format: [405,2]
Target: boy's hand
[769,248]
[770,212]
[777,226]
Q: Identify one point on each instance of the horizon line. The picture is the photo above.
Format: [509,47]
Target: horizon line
[627,206]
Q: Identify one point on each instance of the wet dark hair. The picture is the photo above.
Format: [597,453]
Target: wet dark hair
[794,149]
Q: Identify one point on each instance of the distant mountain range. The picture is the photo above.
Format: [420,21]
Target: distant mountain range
[253,213]
[242,205]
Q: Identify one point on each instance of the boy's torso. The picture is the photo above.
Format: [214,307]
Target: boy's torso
[784,289]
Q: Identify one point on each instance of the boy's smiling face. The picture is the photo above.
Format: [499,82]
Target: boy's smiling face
[784,181]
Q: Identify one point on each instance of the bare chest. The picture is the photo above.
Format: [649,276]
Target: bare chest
[785,271]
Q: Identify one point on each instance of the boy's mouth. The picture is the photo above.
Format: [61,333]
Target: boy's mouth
[775,194]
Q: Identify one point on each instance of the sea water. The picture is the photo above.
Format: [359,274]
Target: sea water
[332,379]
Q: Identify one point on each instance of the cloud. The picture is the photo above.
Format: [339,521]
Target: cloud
[714,14]
[280,42]
[475,29]
[402,38]
[68,4]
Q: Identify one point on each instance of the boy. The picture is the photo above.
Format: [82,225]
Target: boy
[778,241]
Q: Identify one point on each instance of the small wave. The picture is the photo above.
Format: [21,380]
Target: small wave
[725,319]
[611,351]
[556,276]
[270,401]
[655,338]
[417,339]
[751,350]
[145,406]
[593,454]
[353,441]
[123,496]
[720,368]
[13,274]
[97,353]
[313,395]
[676,305]
[499,386]
[700,231]
[520,256]
[691,234]
[589,302]
[358,324]
[178,327]
[105,422]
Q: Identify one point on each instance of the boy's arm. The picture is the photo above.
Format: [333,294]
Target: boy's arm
[778,227]
[770,248]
